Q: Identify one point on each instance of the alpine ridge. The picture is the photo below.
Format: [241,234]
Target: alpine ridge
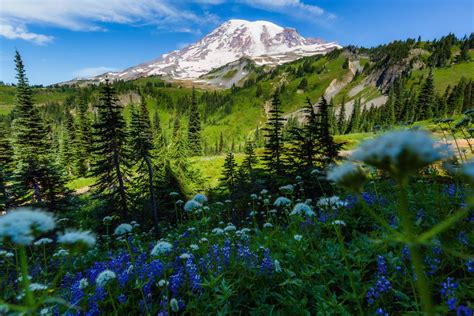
[263,42]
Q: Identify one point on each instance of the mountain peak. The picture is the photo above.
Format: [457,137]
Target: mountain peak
[262,41]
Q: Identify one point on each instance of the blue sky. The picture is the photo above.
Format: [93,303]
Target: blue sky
[63,39]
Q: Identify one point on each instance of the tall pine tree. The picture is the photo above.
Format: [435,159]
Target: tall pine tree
[425,102]
[194,126]
[110,154]
[274,146]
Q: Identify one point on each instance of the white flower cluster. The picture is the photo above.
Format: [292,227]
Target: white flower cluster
[218,231]
[76,237]
[287,189]
[162,247]
[348,175]
[401,152]
[282,201]
[200,198]
[230,228]
[192,205]
[105,277]
[83,283]
[21,225]
[42,241]
[302,209]
[123,229]
[297,237]
[37,287]
[333,202]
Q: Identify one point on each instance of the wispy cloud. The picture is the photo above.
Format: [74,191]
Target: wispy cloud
[291,7]
[92,71]
[20,32]
[92,15]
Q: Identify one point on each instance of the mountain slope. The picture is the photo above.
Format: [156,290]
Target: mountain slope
[263,42]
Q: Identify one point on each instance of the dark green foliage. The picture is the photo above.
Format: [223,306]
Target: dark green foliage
[250,159]
[6,170]
[345,65]
[329,149]
[194,127]
[84,140]
[341,120]
[110,155]
[354,121]
[229,174]
[303,84]
[425,102]
[274,147]
[36,178]
[141,143]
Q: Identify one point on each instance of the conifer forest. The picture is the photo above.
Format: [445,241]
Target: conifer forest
[339,182]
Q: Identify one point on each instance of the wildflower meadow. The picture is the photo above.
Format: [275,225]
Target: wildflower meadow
[391,235]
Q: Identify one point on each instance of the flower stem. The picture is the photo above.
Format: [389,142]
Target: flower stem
[417,261]
[24,275]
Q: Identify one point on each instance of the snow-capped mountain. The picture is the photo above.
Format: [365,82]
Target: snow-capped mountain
[261,41]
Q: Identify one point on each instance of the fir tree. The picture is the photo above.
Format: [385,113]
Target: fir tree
[110,155]
[341,121]
[141,140]
[84,140]
[6,170]
[329,149]
[250,159]
[354,121]
[69,143]
[34,169]
[229,173]
[194,127]
[425,102]
[274,147]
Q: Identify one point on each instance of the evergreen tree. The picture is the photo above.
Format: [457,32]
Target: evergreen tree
[274,147]
[250,159]
[341,121]
[84,140]
[6,169]
[329,149]
[354,121]
[194,127]
[229,173]
[110,155]
[425,102]
[141,139]
[157,130]
[69,143]
[35,171]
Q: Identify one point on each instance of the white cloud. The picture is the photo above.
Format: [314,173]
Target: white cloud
[291,7]
[14,32]
[90,15]
[92,71]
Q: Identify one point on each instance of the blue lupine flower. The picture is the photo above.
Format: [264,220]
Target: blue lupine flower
[380,311]
[448,292]
[122,299]
[463,238]
[267,262]
[470,266]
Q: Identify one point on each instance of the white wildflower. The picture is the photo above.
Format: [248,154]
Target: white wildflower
[42,241]
[179,202]
[218,231]
[161,247]
[61,253]
[192,205]
[253,196]
[333,202]
[162,283]
[230,228]
[228,201]
[194,247]
[105,277]
[200,198]
[287,189]
[83,283]
[204,239]
[107,219]
[76,237]
[282,201]
[338,222]
[302,209]
[267,225]
[174,194]
[277,265]
[348,175]
[297,237]
[134,224]
[123,229]
[21,225]
[253,213]
[401,152]
[264,192]
[174,305]
[185,256]
[191,229]
[37,287]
